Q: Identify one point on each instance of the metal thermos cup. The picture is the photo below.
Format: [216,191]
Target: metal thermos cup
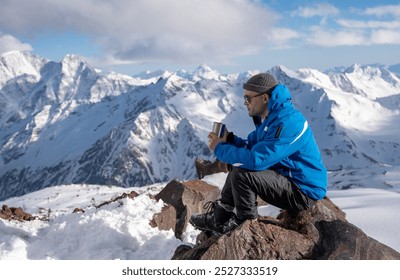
[219,128]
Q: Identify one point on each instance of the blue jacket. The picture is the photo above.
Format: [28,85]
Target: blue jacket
[283,142]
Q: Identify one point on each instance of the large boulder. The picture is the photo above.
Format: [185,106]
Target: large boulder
[321,232]
[260,239]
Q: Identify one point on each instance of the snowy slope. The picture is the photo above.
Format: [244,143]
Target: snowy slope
[67,123]
[121,229]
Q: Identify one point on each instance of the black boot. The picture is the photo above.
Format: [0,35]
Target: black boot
[231,224]
[214,219]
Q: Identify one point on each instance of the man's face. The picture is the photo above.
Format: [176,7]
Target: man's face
[256,103]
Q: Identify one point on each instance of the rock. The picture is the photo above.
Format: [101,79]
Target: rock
[321,232]
[166,219]
[15,213]
[258,239]
[78,210]
[130,195]
[187,198]
[304,222]
[343,241]
[206,167]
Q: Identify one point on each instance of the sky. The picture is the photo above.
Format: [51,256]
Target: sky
[131,36]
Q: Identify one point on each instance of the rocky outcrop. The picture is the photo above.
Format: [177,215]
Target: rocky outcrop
[130,195]
[15,213]
[206,167]
[187,198]
[321,232]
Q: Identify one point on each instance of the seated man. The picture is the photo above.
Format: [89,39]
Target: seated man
[280,160]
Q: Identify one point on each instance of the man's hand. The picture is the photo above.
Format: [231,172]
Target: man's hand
[214,140]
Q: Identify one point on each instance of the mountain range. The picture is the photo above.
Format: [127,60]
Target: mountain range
[69,123]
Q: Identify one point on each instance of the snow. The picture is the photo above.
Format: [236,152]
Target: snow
[121,230]
[352,113]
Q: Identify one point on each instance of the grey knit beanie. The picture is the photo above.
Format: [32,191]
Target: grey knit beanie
[260,83]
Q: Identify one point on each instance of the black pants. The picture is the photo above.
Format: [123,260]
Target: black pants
[242,187]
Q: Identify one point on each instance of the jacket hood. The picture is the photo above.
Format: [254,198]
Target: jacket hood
[280,98]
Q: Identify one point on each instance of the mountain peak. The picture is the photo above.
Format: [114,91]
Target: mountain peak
[203,67]
[73,57]
[72,64]
[365,68]
[17,63]
[10,53]
[205,72]
[148,75]
[73,60]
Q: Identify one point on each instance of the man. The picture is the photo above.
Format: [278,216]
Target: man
[280,160]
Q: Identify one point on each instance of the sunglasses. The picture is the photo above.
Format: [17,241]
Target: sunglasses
[247,99]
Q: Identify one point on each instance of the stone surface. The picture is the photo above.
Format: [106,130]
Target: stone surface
[343,241]
[166,219]
[15,213]
[206,167]
[321,232]
[260,239]
[187,198]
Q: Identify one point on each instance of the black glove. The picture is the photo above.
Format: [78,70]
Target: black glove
[230,138]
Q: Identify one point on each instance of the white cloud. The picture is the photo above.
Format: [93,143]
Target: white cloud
[10,43]
[393,10]
[283,37]
[150,30]
[353,37]
[321,10]
[284,34]
[334,38]
[368,24]
[361,32]
[385,36]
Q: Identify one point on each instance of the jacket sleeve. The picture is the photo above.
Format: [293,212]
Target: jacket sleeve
[266,152]
[240,142]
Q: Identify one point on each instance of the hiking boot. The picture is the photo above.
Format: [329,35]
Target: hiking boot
[231,224]
[213,220]
[234,222]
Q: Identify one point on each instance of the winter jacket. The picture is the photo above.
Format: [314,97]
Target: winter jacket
[283,142]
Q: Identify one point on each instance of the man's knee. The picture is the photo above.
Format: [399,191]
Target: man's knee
[239,174]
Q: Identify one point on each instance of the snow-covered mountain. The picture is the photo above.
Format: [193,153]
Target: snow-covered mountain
[65,122]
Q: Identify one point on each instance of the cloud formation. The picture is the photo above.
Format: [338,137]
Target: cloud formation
[368,29]
[10,43]
[146,30]
[385,10]
[322,10]
[194,31]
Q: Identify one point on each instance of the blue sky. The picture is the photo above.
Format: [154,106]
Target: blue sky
[130,36]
